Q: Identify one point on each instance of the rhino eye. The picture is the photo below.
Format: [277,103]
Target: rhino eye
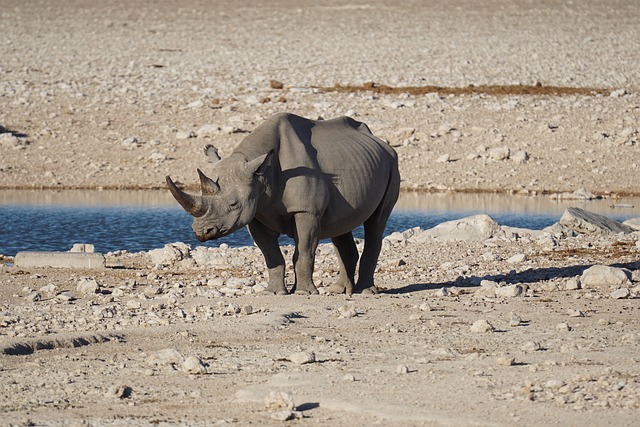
[234,205]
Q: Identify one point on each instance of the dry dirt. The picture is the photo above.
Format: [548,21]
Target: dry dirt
[507,96]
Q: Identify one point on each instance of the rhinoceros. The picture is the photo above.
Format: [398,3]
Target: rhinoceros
[307,179]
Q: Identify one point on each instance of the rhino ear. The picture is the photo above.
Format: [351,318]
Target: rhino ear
[212,153]
[207,185]
[260,164]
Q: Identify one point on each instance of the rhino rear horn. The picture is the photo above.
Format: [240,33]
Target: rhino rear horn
[194,205]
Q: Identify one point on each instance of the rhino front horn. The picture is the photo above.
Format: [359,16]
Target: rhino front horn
[194,205]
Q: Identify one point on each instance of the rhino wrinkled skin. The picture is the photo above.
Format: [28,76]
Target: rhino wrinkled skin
[309,180]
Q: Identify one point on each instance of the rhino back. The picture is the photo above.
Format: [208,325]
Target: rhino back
[336,168]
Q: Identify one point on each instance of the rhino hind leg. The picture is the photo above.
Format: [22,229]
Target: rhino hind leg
[373,232]
[348,258]
[268,244]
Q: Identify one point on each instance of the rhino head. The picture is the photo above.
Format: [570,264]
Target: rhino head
[229,198]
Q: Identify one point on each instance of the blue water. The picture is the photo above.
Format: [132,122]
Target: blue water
[138,227]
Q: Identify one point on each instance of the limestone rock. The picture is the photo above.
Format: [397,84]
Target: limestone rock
[170,254]
[471,229]
[482,326]
[194,366]
[633,223]
[303,357]
[509,291]
[605,276]
[88,286]
[620,293]
[582,221]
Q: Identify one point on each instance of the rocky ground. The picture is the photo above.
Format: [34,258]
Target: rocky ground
[510,328]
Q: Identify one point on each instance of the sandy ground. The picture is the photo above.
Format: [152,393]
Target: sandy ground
[533,98]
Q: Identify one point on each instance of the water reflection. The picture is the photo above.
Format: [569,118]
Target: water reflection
[143,220]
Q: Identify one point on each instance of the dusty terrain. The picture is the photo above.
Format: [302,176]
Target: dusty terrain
[511,96]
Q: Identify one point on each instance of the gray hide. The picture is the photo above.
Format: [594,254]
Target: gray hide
[309,180]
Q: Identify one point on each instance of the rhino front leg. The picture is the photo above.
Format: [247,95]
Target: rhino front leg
[267,242]
[307,230]
[348,258]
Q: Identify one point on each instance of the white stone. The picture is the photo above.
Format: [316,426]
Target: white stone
[88,286]
[443,158]
[531,346]
[499,153]
[278,401]
[303,357]
[509,291]
[572,284]
[585,222]
[605,276]
[620,293]
[194,366]
[471,229]
[482,326]
[517,259]
[167,356]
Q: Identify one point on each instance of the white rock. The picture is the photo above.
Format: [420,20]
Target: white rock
[571,312]
[572,284]
[517,259]
[402,369]
[170,253]
[499,153]
[303,357]
[634,223]
[443,158]
[278,401]
[509,291]
[620,293]
[194,366]
[49,289]
[520,157]
[134,304]
[605,276]
[208,130]
[506,360]
[482,326]
[88,286]
[475,228]
[167,356]
[82,247]
[586,222]
[531,346]
[118,391]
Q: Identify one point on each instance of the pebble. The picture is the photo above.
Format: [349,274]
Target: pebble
[402,369]
[574,313]
[192,365]
[509,291]
[119,391]
[88,286]
[563,327]
[531,346]
[347,311]
[517,259]
[303,357]
[620,293]
[572,284]
[506,360]
[278,401]
[515,320]
[348,378]
[482,326]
